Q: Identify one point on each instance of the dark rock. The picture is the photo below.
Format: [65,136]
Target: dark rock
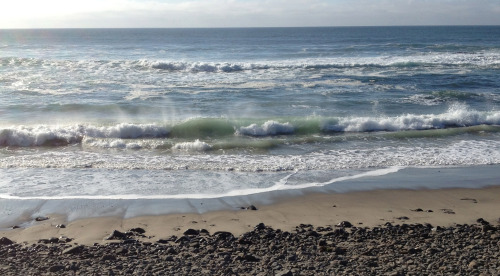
[252,207]
[488,227]
[137,230]
[74,250]
[482,221]
[129,241]
[403,218]
[260,226]
[344,224]
[312,234]
[223,235]
[53,240]
[249,258]
[417,210]
[61,226]
[448,211]
[5,241]
[191,232]
[56,268]
[116,235]
[108,257]
[285,273]
[41,218]
[182,239]
[163,241]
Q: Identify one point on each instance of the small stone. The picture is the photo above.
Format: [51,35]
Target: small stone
[108,257]
[60,226]
[260,226]
[121,251]
[74,250]
[285,273]
[56,268]
[251,258]
[473,264]
[137,230]
[191,232]
[344,224]
[41,218]
[116,235]
[5,241]
[482,221]
[403,218]
[252,207]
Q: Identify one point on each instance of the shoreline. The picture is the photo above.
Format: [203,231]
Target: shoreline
[438,207]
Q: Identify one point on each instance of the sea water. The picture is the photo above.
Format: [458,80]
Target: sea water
[206,113]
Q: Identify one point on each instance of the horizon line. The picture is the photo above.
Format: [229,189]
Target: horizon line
[255,27]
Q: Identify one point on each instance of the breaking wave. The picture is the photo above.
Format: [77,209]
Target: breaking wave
[218,129]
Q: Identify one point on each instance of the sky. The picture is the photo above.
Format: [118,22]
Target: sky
[244,13]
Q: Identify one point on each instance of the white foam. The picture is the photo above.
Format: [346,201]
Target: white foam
[49,135]
[192,146]
[458,115]
[266,129]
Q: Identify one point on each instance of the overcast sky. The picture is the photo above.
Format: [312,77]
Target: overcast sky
[244,13]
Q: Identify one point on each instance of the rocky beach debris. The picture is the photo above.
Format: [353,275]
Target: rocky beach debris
[402,249]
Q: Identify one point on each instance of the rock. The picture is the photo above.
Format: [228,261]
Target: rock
[56,268]
[108,257]
[482,221]
[252,207]
[61,226]
[191,232]
[488,227]
[41,218]
[344,224]
[121,251]
[116,235]
[5,241]
[74,250]
[284,273]
[137,230]
[473,264]
[260,226]
[249,258]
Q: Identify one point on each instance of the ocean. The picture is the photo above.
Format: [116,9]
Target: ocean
[110,114]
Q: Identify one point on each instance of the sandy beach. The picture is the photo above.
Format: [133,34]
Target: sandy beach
[443,207]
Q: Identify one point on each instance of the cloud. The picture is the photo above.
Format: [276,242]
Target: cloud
[243,13]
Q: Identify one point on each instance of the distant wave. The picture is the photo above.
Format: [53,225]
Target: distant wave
[487,58]
[458,116]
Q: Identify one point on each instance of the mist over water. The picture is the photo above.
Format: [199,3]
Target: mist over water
[212,112]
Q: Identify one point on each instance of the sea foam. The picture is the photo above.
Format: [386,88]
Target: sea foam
[266,129]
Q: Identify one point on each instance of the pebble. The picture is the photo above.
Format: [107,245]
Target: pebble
[399,249]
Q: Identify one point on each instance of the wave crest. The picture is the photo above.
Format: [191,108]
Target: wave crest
[267,129]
